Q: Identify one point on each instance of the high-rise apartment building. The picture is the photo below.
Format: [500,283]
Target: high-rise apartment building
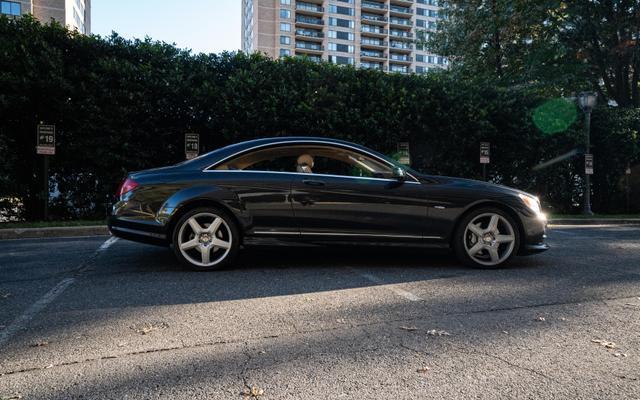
[378,34]
[74,14]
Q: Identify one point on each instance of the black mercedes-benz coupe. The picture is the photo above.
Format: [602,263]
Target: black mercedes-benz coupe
[321,191]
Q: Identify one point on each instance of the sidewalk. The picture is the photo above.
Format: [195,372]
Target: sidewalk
[51,232]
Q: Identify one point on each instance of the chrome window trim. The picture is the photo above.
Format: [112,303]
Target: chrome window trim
[293,143]
[312,175]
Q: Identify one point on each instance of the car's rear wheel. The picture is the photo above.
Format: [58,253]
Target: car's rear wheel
[486,238]
[206,239]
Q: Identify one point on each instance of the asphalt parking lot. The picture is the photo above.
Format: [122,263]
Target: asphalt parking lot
[109,319]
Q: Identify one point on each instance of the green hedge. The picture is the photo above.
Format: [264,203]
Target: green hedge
[123,105]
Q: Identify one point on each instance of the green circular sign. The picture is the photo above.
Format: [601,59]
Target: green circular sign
[555,116]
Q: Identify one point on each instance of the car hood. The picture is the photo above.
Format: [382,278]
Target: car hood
[476,185]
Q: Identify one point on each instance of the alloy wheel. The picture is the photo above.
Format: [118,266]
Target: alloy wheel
[489,239]
[205,239]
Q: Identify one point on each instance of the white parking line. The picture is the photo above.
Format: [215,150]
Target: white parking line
[400,292]
[23,320]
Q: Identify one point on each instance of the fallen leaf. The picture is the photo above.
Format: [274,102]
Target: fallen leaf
[620,355]
[409,328]
[5,295]
[505,332]
[423,370]
[148,327]
[340,320]
[40,344]
[254,392]
[262,352]
[540,318]
[434,332]
[604,343]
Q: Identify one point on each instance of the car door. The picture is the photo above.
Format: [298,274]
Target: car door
[348,194]
[261,180]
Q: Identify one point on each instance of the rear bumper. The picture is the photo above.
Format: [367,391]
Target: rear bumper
[137,231]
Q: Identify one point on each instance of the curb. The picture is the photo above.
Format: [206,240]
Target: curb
[52,232]
[594,221]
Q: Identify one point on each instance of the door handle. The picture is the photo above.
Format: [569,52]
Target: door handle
[312,182]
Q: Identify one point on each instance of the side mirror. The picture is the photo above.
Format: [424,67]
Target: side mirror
[399,173]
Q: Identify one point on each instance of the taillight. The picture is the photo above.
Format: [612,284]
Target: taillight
[127,186]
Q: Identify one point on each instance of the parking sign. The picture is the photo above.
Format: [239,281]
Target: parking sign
[46,140]
[485,152]
[588,164]
[191,145]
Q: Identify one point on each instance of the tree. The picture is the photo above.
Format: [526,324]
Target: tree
[568,45]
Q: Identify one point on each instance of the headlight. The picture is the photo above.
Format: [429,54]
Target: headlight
[532,202]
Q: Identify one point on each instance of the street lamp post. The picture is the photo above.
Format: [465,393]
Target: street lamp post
[587,101]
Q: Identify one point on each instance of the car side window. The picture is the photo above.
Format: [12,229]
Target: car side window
[312,159]
[338,161]
[279,159]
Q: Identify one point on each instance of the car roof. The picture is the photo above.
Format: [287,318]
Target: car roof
[205,160]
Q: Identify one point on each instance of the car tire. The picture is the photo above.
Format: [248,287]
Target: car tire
[206,239]
[486,238]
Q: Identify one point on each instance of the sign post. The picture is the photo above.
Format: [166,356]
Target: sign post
[485,157]
[627,172]
[403,153]
[191,145]
[45,145]
[588,164]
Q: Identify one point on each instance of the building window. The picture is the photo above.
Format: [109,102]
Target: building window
[342,35]
[284,27]
[285,2]
[420,23]
[345,23]
[286,14]
[420,57]
[340,10]
[285,40]
[9,8]
[421,70]
[344,48]
[285,52]
[341,60]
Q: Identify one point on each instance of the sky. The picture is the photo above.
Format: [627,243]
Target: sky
[209,26]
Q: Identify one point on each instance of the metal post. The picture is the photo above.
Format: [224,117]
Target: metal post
[45,187]
[628,188]
[587,186]
[484,172]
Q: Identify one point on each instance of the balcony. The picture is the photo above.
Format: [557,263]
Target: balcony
[315,47]
[400,21]
[401,69]
[378,43]
[372,30]
[403,3]
[309,9]
[401,10]
[374,19]
[372,65]
[309,34]
[372,54]
[302,20]
[401,45]
[310,57]
[372,6]
[396,34]
[402,58]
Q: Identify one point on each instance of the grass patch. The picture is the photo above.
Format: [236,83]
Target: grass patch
[48,224]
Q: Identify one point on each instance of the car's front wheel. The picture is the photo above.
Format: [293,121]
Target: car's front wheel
[205,239]
[486,238]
